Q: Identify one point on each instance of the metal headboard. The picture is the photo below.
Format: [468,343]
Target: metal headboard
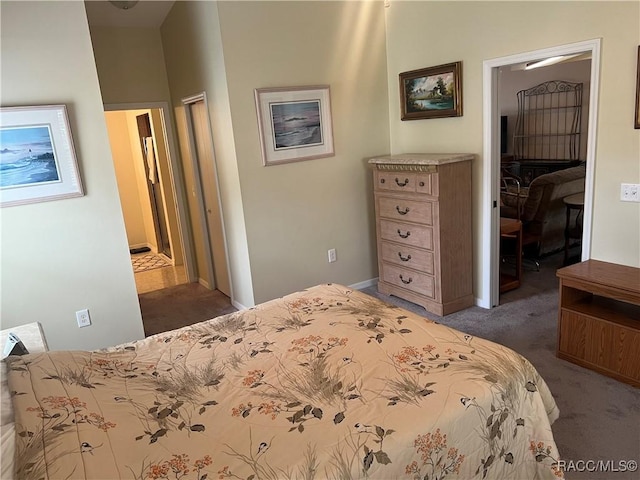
[548,122]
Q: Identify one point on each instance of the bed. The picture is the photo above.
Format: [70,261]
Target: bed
[323,383]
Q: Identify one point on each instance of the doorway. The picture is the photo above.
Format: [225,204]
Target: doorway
[147,188]
[492,153]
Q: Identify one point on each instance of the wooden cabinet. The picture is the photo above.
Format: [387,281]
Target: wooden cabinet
[423,222]
[599,318]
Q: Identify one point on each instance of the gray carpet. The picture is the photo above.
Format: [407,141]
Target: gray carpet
[179,306]
[599,416]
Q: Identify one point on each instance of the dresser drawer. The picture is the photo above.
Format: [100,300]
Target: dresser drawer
[396,181]
[406,210]
[416,282]
[427,183]
[404,256]
[407,234]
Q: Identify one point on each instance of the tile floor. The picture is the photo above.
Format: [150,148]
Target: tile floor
[160,278]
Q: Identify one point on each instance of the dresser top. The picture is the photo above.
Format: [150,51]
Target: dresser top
[421,158]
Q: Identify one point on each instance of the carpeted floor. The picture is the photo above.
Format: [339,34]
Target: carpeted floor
[179,306]
[599,416]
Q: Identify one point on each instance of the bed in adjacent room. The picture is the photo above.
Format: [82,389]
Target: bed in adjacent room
[324,383]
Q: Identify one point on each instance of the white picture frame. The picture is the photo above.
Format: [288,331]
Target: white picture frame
[37,157]
[294,123]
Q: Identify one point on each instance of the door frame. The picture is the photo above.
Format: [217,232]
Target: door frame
[187,103]
[177,182]
[489,273]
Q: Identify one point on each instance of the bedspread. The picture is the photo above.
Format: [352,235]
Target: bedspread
[324,383]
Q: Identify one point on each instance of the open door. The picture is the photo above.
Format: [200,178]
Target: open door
[153,184]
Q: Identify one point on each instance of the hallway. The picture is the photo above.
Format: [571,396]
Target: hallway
[160,278]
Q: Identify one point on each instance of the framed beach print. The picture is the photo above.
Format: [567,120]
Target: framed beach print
[294,123]
[37,158]
[432,92]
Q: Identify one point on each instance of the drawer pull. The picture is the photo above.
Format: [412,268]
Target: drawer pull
[404,259]
[402,212]
[406,282]
[404,235]
[382,180]
[422,184]
[406,181]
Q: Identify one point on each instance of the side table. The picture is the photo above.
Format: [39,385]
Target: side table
[572,202]
[510,228]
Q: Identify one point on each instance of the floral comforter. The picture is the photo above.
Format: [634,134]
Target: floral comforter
[323,383]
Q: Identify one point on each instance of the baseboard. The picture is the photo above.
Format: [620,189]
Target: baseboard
[204,283]
[238,305]
[365,284]
[356,286]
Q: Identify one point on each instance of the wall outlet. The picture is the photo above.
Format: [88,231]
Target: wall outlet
[331,254]
[83,318]
[630,192]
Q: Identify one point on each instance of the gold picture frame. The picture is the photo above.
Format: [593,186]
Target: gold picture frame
[432,92]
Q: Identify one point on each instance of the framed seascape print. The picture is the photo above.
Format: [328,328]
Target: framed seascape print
[37,158]
[294,123]
[432,92]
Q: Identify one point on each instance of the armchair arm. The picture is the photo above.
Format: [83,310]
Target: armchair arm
[512,196]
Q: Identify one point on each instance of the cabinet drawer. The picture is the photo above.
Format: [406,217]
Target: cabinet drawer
[407,234]
[416,282]
[404,256]
[396,181]
[406,210]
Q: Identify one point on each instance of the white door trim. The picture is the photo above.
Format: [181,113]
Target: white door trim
[489,274]
[177,182]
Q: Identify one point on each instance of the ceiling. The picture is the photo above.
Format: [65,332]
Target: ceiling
[145,13]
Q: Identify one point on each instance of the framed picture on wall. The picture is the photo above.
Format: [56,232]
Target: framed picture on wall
[294,123]
[637,122]
[432,92]
[37,158]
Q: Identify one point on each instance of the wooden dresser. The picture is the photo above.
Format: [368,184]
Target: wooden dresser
[423,224]
[599,318]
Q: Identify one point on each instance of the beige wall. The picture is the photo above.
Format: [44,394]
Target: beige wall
[130,64]
[62,256]
[486,30]
[127,178]
[295,212]
[195,64]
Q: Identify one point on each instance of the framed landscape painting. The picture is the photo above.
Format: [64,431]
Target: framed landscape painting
[432,92]
[294,123]
[37,158]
